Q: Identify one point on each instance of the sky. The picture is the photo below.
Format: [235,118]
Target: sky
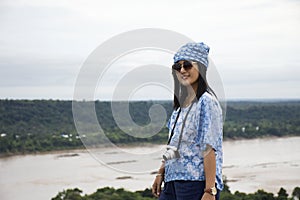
[254,44]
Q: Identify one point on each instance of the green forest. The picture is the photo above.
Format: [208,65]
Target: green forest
[109,193]
[28,126]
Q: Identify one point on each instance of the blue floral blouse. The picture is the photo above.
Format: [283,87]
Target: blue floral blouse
[203,126]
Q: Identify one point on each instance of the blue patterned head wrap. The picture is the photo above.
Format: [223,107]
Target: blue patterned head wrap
[193,51]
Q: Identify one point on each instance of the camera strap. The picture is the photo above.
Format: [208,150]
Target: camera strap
[183,124]
[172,132]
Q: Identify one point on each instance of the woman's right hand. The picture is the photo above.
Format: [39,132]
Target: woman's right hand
[156,186]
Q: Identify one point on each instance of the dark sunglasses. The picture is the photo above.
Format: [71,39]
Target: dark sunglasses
[187,65]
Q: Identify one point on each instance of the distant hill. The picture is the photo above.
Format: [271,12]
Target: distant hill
[43,125]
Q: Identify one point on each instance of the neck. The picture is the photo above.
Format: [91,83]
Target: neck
[192,91]
[191,94]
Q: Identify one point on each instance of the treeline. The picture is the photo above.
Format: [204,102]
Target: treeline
[44,125]
[109,193]
[259,119]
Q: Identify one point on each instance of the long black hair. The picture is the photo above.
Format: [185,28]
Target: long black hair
[180,91]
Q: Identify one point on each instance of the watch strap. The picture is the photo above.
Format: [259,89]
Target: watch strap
[211,191]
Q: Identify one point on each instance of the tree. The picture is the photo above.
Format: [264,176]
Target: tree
[296,193]
[70,194]
[262,195]
[282,194]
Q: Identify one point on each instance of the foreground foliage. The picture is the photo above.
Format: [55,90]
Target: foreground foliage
[108,193]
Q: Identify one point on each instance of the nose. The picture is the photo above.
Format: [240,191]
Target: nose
[182,70]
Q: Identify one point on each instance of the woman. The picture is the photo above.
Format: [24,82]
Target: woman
[192,165]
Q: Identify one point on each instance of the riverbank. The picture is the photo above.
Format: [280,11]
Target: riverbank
[124,145]
[7,155]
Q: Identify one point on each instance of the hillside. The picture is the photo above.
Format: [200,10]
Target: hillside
[43,125]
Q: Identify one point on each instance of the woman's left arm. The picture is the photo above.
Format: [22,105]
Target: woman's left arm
[210,172]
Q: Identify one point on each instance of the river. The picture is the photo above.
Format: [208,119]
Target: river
[249,165]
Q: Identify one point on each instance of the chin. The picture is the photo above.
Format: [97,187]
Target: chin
[185,83]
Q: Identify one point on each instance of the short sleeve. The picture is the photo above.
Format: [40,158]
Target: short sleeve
[210,123]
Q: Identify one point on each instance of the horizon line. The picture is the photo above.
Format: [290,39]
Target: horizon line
[137,100]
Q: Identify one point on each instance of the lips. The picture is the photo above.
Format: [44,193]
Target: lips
[184,77]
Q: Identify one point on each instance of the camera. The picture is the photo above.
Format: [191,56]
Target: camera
[171,153]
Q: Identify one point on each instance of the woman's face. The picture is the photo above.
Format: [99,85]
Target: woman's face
[188,76]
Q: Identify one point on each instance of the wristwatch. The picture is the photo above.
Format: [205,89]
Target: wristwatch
[212,191]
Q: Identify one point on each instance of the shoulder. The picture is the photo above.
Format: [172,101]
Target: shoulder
[208,101]
[207,98]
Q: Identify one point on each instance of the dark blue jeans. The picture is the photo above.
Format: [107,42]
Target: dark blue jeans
[184,190]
